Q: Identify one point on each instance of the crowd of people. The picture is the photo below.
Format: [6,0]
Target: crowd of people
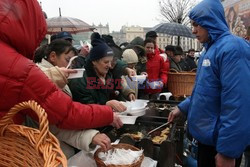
[78,108]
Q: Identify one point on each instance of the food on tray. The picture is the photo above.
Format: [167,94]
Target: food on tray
[163,136]
[159,139]
[165,131]
[156,139]
[119,156]
[135,136]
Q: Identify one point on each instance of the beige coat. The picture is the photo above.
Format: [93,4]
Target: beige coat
[130,57]
[55,75]
[80,139]
[129,86]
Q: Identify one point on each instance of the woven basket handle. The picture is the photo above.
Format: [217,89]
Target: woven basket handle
[193,70]
[42,115]
[173,70]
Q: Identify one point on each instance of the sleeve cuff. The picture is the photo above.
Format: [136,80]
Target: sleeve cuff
[184,106]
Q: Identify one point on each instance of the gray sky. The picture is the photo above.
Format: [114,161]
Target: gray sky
[117,13]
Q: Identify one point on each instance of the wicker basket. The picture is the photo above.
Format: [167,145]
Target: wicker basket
[181,83]
[25,146]
[100,163]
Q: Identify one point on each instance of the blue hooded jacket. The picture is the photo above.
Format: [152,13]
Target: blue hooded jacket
[218,112]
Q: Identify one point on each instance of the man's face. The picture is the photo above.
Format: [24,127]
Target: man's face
[200,32]
[191,53]
[177,58]
[169,53]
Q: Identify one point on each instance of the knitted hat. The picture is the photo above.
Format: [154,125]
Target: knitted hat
[100,49]
[129,56]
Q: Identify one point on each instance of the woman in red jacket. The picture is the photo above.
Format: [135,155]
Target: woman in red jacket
[156,70]
[22,27]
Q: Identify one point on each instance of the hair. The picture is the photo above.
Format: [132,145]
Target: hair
[40,53]
[170,48]
[59,46]
[191,50]
[149,40]
[178,50]
[95,35]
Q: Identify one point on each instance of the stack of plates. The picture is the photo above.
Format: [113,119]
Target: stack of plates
[134,109]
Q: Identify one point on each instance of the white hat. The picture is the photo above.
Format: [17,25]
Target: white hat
[129,56]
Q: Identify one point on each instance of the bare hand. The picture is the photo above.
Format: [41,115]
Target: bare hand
[102,140]
[117,123]
[130,72]
[131,97]
[116,105]
[176,112]
[223,161]
[66,71]
[144,73]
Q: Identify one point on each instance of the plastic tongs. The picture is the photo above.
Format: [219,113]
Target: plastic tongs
[157,128]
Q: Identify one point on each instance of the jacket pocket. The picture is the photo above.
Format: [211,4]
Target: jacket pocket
[204,113]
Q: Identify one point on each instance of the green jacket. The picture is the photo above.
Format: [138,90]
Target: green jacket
[119,69]
[89,89]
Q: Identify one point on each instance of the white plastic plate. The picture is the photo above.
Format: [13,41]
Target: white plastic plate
[79,73]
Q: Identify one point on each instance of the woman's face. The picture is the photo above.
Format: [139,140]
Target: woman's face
[149,47]
[132,65]
[62,60]
[103,65]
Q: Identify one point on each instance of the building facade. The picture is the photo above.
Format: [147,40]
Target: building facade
[132,32]
[186,43]
[101,29]
[128,33]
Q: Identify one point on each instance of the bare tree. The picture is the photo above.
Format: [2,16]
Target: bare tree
[176,10]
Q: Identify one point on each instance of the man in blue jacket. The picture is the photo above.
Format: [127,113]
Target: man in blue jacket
[218,110]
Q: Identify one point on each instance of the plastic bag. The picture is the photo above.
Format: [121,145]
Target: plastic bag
[85,159]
